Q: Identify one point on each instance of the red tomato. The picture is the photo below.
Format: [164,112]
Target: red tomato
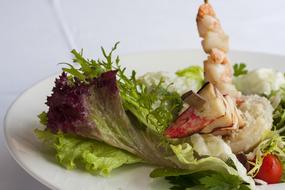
[270,170]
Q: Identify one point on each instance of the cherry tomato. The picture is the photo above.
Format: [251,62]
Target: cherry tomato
[270,170]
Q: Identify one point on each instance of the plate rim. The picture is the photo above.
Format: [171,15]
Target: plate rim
[6,140]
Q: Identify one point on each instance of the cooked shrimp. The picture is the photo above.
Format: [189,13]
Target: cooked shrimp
[218,71]
[217,68]
[255,113]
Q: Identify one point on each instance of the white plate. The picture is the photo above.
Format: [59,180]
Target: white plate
[29,152]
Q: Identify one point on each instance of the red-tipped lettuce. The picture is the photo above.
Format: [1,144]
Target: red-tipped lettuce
[66,104]
[154,105]
[95,110]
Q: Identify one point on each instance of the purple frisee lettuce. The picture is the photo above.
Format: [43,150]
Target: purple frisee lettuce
[69,106]
[66,105]
[94,110]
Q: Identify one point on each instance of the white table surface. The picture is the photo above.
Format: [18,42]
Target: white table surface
[35,35]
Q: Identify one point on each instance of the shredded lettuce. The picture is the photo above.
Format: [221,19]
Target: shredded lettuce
[272,143]
[93,156]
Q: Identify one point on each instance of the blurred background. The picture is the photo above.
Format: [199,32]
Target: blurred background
[35,35]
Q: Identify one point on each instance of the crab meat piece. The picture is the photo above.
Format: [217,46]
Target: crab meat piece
[208,111]
[186,124]
[228,122]
[215,107]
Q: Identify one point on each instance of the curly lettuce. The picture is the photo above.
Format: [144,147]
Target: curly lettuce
[95,157]
[95,110]
[155,106]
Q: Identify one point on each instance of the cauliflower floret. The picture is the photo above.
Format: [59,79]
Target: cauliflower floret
[260,81]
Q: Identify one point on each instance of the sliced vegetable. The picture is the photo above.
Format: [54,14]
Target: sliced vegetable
[270,170]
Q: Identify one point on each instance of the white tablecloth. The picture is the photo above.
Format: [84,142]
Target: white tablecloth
[35,35]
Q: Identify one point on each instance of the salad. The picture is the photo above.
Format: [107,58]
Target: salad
[216,127]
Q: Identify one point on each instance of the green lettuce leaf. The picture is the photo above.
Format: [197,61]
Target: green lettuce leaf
[154,106]
[193,72]
[274,141]
[240,69]
[190,163]
[277,99]
[208,180]
[184,154]
[219,181]
[43,118]
[94,156]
